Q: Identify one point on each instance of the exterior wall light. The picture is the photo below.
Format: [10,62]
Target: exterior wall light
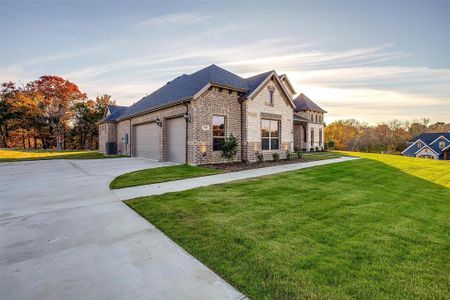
[187,117]
[159,122]
[203,150]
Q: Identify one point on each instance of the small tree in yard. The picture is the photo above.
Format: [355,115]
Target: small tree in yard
[229,148]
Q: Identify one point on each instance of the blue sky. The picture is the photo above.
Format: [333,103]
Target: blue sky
[373,61]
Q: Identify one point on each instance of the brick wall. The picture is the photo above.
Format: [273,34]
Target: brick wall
[107,132]
[317,127]
[299,136]
[214,101]
[258,106]
[123,127]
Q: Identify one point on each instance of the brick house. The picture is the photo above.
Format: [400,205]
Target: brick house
[187,119]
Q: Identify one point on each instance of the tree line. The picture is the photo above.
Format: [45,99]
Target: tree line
[49,113]
[387,137]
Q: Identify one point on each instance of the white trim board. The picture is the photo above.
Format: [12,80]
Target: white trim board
[438,139]
[445,148]
[413,144]
[426,146]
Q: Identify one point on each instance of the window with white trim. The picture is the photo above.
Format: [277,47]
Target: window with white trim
[270,134]
[419,145]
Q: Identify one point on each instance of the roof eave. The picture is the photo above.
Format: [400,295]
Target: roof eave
[284,77]
[228,87]
[147,111]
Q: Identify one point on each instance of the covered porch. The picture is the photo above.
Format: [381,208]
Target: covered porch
[301,139]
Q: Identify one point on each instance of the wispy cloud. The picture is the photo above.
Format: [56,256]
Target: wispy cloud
[183,18]
[351,83]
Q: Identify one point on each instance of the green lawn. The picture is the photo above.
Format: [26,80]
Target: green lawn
[321,155]
[370,228]
[155,175]
[8,155]
[436,171]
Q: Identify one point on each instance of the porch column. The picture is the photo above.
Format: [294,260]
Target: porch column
[308,137]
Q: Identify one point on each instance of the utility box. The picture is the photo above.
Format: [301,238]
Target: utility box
[110,148]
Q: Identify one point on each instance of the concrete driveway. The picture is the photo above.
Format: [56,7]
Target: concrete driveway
[65,235]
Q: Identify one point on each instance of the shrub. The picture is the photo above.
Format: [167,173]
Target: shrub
[275,156]
[299,153]
[311,149]
[288,155]
[259,157]
[331,145]
[317,149]
[229,147]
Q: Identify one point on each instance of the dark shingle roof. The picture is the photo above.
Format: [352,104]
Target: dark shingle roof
[115,112]
[429,137]
[186,86]
[254,81]
[304,103]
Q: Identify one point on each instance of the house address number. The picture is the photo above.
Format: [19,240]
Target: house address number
[205,127]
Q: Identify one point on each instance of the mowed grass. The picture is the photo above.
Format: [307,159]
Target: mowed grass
[8,155]
[162,174]
[437,171]
[321,155]
[359,229]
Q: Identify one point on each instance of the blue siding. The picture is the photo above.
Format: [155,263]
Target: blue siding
[428,138]
[411,151]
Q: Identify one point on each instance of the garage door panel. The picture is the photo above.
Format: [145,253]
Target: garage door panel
[176,140]
[146,141]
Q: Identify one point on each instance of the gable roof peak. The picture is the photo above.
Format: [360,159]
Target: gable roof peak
[302,102]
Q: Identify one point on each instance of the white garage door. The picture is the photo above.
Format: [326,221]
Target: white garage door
[176,140]
[146,139]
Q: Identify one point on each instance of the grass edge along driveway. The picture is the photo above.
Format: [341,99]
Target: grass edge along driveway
[12,155]
[358,229]
[161,174]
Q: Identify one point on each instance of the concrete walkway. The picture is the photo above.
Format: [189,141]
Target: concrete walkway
[186,184]
[64,235]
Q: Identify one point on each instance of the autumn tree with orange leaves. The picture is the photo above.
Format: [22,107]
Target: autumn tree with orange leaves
[57,98]
[50,112]
[387,137]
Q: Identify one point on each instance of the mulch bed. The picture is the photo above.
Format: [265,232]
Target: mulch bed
[240,166]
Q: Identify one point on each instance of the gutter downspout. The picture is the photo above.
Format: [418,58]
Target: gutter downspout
[242,129]
[186,135]
[129,140]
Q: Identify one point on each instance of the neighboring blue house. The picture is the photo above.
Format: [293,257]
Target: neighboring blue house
[429,145]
